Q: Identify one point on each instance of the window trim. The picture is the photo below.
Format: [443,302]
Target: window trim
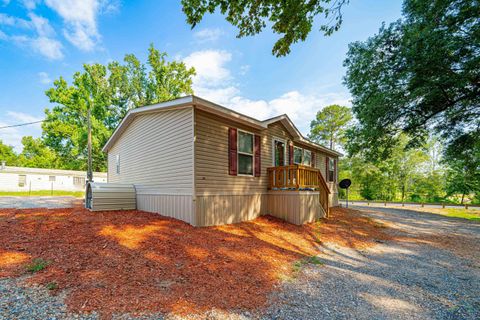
[331,168]
[82,179]
[245,153]
[275,139]
[24,184]
[301,161]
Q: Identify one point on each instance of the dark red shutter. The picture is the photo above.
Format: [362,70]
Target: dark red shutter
[313,159]
[258,165]
[232,151]
[290,154]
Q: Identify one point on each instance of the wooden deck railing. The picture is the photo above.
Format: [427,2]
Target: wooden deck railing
[298,177]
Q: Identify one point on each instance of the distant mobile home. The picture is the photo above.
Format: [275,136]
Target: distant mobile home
[34,179]
[205,164]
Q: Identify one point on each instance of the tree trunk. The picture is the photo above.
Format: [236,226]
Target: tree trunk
[89,124]
[463,197]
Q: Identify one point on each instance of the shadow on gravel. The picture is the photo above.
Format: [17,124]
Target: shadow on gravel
[428,270]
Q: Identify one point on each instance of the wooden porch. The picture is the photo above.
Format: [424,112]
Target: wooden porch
[299,178]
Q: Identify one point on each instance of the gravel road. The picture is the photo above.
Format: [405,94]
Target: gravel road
[431,270]
[37,202]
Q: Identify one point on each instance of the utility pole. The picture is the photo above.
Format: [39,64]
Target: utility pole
[89,124]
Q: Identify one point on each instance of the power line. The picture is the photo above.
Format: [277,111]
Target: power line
[22,124]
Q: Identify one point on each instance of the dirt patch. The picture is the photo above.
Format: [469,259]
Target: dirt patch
[134,261]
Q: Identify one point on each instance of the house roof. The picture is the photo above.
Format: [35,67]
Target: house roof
[216,109]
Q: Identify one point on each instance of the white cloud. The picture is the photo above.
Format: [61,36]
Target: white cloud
[214,81]
[208,35]
[10,21]
[3,36]
[30,4]
[13,136]
[80,18]
[44,78]
[42,40]
[209,65]
[41,25]
[48,47]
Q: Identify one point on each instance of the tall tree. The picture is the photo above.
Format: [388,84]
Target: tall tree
[330,125]
[8,155]
[463,163]
[292,19]
[108,92]
[417,74]
[36,154]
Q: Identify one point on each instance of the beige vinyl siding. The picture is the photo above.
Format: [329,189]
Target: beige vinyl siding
[156,153]
[211,156]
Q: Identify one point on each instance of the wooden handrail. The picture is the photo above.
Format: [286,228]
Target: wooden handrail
[297,177]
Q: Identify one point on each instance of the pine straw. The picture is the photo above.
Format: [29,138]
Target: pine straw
[134,261]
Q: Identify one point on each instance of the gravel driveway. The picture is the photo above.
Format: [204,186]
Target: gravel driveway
[37,202]
[430,271]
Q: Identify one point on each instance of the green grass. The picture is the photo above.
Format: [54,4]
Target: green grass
[52,285]
[297,266]
[461,213]
[77,194]
[36,265]
[469,214]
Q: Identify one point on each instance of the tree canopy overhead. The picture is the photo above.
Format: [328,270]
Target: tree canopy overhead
[418,74]
[292,19]
[109,92]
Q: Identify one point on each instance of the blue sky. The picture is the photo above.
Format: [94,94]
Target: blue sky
[42,40]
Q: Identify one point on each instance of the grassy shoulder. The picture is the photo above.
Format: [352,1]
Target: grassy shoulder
[77,194]
[469,214]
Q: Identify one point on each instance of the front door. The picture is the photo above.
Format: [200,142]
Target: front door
[279,153]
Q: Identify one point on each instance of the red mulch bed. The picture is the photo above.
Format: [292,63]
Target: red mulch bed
[134,261]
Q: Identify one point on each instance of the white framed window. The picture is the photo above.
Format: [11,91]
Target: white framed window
[279,152]
[22,180]
[52,178]
[307,157]
[79,181]
[117,163]
[245,153]
[331,169]
[297,155]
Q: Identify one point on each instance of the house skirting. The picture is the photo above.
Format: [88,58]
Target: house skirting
[221,209]
[297,207]
[178,206]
